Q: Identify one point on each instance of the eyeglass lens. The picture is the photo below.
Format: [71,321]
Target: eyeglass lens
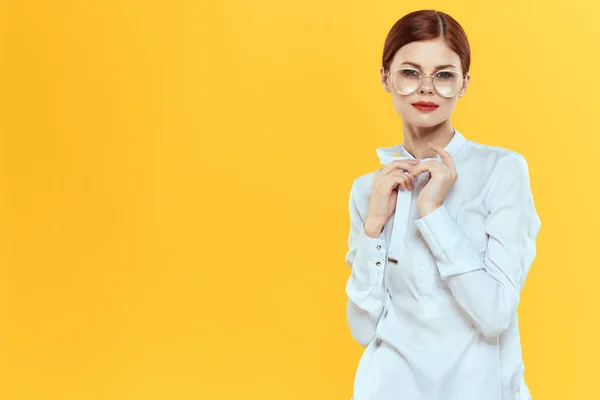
[446,83]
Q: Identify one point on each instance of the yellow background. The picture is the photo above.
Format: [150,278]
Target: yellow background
[174,181]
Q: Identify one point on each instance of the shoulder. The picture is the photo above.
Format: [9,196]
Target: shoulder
[491,160]
[505,173]
[495,154]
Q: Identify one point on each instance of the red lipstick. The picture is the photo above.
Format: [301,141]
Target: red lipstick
[425,106]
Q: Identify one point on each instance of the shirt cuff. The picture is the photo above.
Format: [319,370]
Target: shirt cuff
[448,243]
[373,250]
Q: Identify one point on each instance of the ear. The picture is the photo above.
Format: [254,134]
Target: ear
[467,79]
[384,80]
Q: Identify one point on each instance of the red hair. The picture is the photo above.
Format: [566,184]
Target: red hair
[427,25]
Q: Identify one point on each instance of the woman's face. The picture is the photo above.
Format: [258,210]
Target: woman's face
[428,54]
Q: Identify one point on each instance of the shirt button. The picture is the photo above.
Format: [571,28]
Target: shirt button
[378,263]
[378,247]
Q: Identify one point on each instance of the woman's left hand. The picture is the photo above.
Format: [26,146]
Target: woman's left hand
[443,177]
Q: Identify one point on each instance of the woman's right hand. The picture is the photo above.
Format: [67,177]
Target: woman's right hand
[384,193]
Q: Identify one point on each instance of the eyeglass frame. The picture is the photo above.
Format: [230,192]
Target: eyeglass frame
[422,74]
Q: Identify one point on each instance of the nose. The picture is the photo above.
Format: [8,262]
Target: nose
[426,85]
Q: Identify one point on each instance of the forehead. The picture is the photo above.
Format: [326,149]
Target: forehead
[428,54]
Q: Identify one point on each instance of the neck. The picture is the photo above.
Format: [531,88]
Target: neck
[416,138]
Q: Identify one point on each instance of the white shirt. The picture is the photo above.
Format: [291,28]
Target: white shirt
[441,323]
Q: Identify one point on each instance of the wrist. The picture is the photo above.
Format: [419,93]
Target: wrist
[428,208]
[373,229]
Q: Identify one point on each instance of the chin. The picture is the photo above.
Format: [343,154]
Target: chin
[421,119]
[424,120]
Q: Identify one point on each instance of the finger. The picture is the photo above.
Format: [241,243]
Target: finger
[406,165]
[431,166]
[409,183]
[393,179]
[444,154]
[401,179]
[402,182]
[416,171]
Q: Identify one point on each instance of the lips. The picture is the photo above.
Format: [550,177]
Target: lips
[425,106]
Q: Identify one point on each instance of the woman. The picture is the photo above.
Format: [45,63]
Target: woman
[441,240]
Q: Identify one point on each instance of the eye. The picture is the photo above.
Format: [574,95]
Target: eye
[410,72]
[446,74]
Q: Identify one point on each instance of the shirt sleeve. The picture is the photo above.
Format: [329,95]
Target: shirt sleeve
[489,289]
[364,288]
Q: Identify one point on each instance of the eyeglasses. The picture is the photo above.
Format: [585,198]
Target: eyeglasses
[407,80]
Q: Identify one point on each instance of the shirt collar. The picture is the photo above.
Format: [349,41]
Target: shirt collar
[399,152]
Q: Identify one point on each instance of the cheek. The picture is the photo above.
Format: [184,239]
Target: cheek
[449,105]
[403,103]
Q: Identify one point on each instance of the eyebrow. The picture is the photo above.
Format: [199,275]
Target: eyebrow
[436,67]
